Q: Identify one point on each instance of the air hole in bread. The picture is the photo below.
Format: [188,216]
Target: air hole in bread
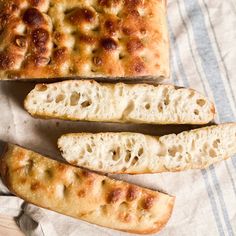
[103,182]
[165,91]
[89,149]
[212,153]
[116,154]
[193,145]
[100,165]
[172,151]
[49,98]
[140,151]
[74,98]
[201,102]
[129,144]
[41,87]
[205,147]
[34,102]
[134,161]
[179,157]
[191,94]
[147,106]
[129,108]
[127,156]
[60,98]
[215,143]
[120,91]
[196,112]
[160,107]
[86,104]
[167,101]
[187,157]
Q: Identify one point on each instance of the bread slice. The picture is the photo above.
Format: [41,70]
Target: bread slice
[98,38]
[137,103]
[134,153]
[84,195]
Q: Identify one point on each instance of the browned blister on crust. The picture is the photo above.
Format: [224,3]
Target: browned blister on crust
[82,194]
[98,38]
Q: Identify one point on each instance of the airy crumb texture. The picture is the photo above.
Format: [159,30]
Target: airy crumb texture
[82,194]
[137,103]
[71,38]
[135,153]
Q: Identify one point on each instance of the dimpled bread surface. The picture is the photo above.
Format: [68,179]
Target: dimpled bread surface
[93,38]
[82,194]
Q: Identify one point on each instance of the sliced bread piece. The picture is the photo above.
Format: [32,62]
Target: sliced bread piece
[137,103]
[81,194]
[135,153]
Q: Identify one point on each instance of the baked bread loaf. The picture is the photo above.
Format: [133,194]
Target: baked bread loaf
[70,38]
[134,153]
[137,103]
[84,195]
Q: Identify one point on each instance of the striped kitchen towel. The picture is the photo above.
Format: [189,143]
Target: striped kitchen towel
[203,56]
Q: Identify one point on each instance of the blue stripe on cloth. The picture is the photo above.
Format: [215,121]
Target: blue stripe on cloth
[179,64]
[208,60]
[218,190]
[213,202]
[234,161]
[213,74]
[204,173]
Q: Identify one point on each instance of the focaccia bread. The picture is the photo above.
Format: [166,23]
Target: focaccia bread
[134,153]
[75,38]
[82,194]
[137,103]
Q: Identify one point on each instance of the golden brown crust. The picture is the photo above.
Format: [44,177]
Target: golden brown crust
[102,38]
[82,194]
